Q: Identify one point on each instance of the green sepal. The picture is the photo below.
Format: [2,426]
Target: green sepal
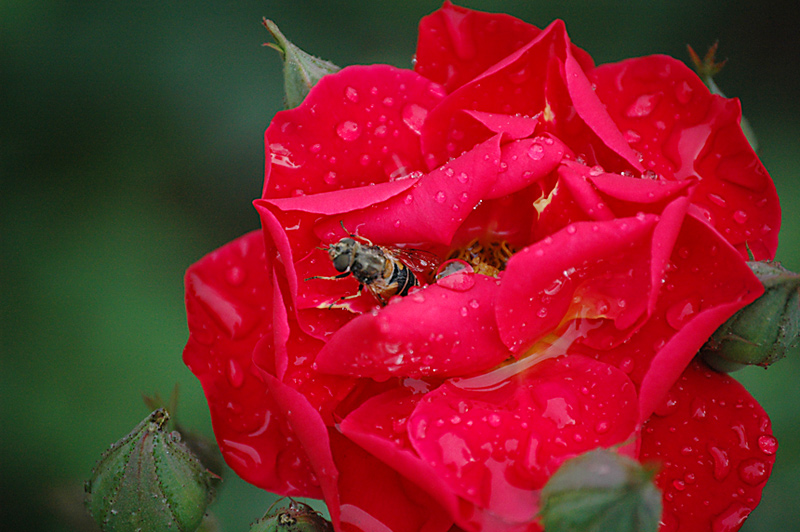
[296,517]
[764,331]
[600,491]
[706,69]
[301,71]
[149,480]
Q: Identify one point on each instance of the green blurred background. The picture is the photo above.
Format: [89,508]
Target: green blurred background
[132,145]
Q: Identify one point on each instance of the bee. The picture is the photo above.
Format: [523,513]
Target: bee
[383,271]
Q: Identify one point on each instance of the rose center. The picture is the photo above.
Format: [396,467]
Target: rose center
[486,258]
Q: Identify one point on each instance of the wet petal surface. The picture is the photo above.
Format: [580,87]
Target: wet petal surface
[716,450]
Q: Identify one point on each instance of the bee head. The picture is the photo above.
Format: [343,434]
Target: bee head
[341,253]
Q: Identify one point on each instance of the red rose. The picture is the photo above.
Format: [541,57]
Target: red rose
[606,212]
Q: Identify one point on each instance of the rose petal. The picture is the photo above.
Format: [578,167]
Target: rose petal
[432,332]
[357,127]
[227,294]
[688,309]
[532,83]
[716,450]
[433,209]
[684,131]
[525,162]
[496,441]
[312,437]
[571,269]
[375,498]
[456,44]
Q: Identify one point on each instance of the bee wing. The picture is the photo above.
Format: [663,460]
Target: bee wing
[422,263]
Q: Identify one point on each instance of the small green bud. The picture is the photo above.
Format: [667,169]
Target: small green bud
[149,480]
[706,69]
[601,490]
[301,71]
[765,330]
[297,517]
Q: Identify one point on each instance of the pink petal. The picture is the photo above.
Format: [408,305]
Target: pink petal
[716,450]
[357,127]
[700,281]
[574,269]
[525,162]
[435,331]
[532,83]
[228,300]
[683,131]
[375,498]
[495,439]
[456,44]
[433,209]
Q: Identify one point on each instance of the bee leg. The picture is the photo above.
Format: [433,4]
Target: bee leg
[332,278]
[345,298]
[353,235]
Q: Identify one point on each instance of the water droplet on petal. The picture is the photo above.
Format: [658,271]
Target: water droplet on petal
[740,217]
[536,151]
[681,312]
[348,130]
[440,197]
[235,373]
[731,518]
[683,92]
[414,116]
[235,276]
[643,106]
[351,94]
[753,471]
[768,444]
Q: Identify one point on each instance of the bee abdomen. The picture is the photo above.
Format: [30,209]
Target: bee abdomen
[403,278]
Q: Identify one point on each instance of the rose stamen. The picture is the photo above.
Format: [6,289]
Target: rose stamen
[486,258]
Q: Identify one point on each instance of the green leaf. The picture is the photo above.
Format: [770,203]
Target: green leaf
[601,491]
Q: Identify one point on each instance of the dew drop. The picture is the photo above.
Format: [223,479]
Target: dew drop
[683,92]
[315,148]
[642,107]
[414,116]
[330,178]
[463,178]
[235,373]
[731,518]
[717,200]
[440,197]
[536,151]
[740,217]
[348,130]
[494,420]
[351,94]
[768,444]
[681,312]
[632,137]
[753,471]
[235,276]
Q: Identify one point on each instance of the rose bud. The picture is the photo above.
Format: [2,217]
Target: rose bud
[764,331]
[297,517]
[149,480]
[601,490]
[301,71]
